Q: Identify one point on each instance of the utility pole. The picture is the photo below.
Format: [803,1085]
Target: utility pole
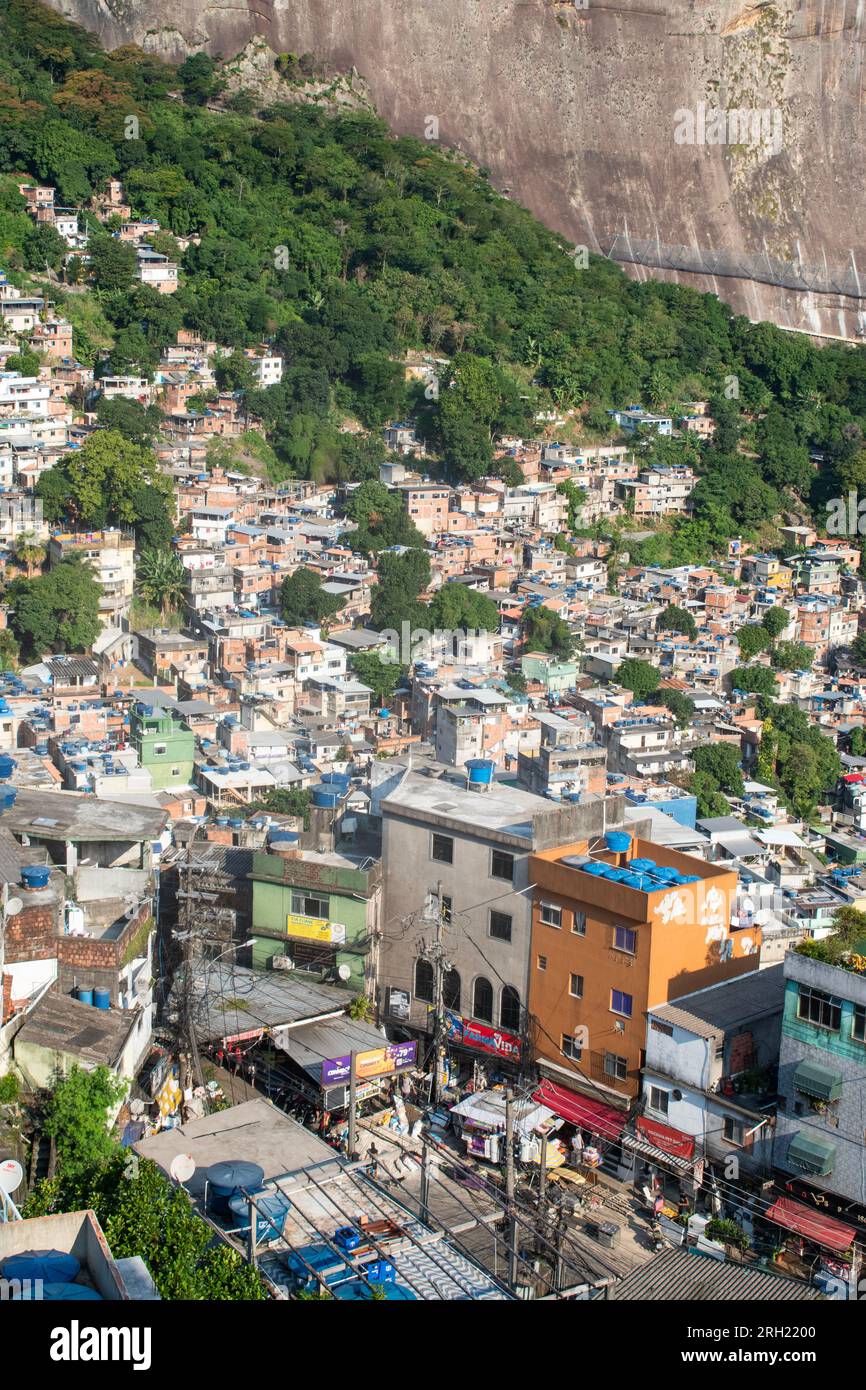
[438,995]
[425,1182]
[542,1179]
[509,1186]
[353,1100]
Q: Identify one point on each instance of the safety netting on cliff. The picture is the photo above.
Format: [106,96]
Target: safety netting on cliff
[740,265]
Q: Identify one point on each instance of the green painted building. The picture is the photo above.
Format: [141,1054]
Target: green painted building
[555,675]
[164,744]
[319,910]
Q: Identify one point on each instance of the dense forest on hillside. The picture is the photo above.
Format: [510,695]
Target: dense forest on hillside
[348,247]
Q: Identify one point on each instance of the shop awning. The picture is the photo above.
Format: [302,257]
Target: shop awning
[812,1154]
[670,1141]
[589,1114]
[821,1082]
[814,1225]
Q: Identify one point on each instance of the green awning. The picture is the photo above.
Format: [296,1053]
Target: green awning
[814,1080]
[811,1154]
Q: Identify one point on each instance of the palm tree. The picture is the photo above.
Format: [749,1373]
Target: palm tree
[29,550]
[161,580]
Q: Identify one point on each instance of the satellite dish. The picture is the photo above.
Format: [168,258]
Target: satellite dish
[11,1175]
[344,972]
[13,907]
[182,1167]
[136,1107]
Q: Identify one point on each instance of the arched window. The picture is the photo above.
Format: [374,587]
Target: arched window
[482,1003]
[451,991]
[509,1009]
[424,981]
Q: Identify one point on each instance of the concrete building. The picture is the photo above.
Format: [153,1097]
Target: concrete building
[606,948]
[165,746]
[822,1073]
[111,556]
[464,850]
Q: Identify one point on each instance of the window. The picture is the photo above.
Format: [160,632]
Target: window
[658,1100]
[509,1009]
[620,1003]
[442,849]
[571,1048]
[735,1132]
[482,1000]
[447,908]
[502,866]
[542,962]
[305,905]
[551,915]
[159,750]
[175,772]
[578,923]
[819,1008]
[624,939]
[500,926]
[661,1028]
[424,981]
[575,986]
[858,1027]
[451,991]
[616,1067]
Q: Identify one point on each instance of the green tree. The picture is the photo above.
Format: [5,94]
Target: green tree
[752,639]
[57,611]
[680,706]
[136,422]
[25,361]
[112,263]
[721,761]
[234,373]
[640,677]
[78,1111]
[754,680]
[303,600]
[675,619]
[774,621]
[545,631]
[457,606]
[383,677]
[402,577]
[792,656]
[161,580]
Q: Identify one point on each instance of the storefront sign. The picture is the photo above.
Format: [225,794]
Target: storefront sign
[315,929]
[465,1032]
[379,1061]
[670,1141]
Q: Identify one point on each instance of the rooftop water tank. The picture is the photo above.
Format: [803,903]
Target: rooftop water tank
[101,999]
[480,771]
[35,876]
[225,1180]
[84,996]
[617,841]
[7,798]
[7,766]
[327,796]
[271,1211]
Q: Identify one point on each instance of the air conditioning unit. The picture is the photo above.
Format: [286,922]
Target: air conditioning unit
[283,963]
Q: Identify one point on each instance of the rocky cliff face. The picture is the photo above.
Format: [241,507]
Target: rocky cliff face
[600,118]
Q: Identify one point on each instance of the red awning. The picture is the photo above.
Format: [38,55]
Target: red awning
[670,1141]
[581,1110]
[814,1225]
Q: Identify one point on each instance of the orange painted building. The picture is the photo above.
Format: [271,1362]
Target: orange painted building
[603,952]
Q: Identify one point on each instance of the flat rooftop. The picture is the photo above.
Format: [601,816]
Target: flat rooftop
[57,815]
[501,807]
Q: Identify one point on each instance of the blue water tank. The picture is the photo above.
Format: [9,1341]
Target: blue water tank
[617,841]
[236,823]
[480,771]
[35,876]
[642,866]
[271,1212]
[52,1266]
[222,820]
[7,766]
[226,1179]
[84,996]
[336,779]
[329,796]
[384,714]
[283,837]
[7,798]
[56,1293]
[357,1291]
[594,868]
[101,999]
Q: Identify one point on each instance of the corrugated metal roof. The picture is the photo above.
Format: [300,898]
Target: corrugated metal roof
[678,1275]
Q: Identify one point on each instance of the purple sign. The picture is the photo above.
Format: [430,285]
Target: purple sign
[336,1070]
[380,1061]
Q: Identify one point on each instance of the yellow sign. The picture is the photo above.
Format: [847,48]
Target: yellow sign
[315,929]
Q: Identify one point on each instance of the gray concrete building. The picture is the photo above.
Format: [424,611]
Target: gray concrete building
[469,846]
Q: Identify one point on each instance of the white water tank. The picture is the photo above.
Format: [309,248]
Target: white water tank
[74,919]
